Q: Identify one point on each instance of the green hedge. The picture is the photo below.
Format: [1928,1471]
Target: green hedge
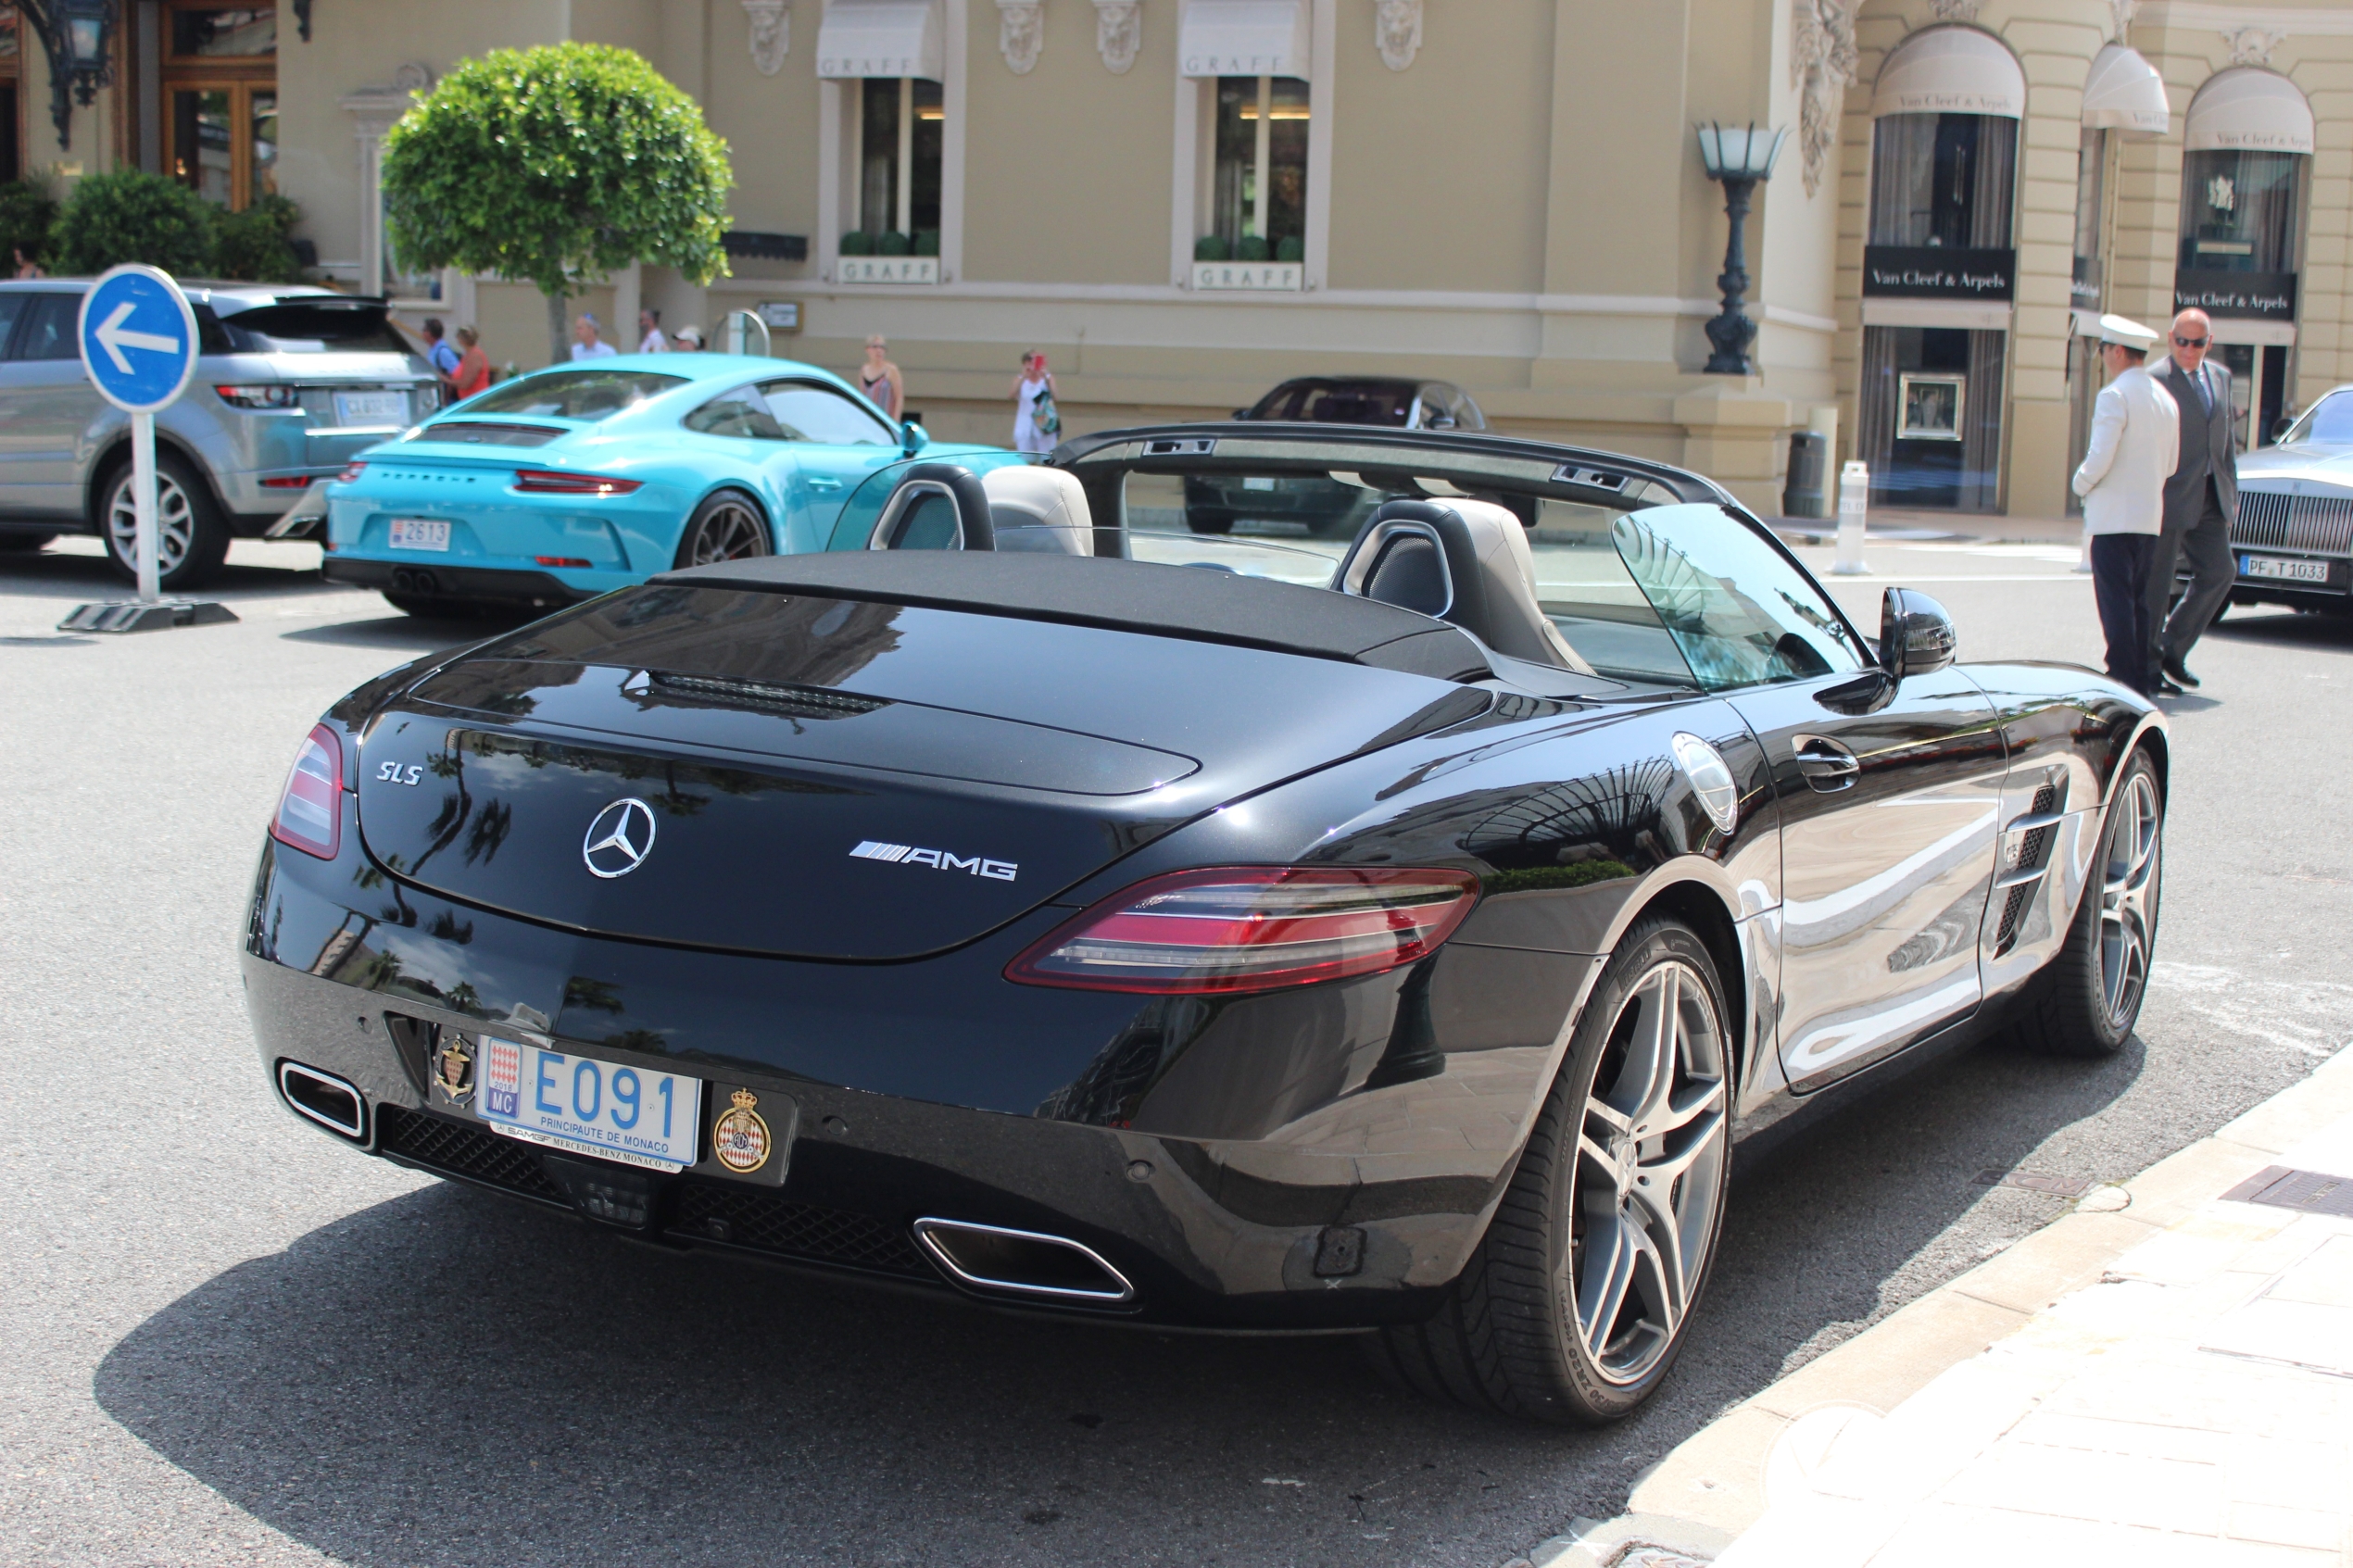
[128,214]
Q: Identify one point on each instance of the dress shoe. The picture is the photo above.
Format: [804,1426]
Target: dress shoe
[2165,687]
[2178,673]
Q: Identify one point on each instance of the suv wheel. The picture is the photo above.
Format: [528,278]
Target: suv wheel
[191,538]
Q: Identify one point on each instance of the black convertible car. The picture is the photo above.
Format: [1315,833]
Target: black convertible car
[1021,903]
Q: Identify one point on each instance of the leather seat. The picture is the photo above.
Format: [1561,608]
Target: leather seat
[1463,561]
[1040,509]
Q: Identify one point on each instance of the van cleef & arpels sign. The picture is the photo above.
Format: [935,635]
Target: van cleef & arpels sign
[1938,272]
[2257,296]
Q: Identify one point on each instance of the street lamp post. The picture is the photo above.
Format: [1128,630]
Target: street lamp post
[78,36]
[1738,160]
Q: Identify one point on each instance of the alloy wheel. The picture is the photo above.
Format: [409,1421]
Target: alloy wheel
[2128,896]
[729,531]
[175,523]
[1650,1156]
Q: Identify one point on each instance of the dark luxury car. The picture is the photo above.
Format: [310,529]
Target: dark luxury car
[1327,507]
[1018,902]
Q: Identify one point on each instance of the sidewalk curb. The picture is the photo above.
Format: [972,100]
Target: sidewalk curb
[1712,1486]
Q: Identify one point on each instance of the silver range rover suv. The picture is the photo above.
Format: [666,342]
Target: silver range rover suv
[290,383]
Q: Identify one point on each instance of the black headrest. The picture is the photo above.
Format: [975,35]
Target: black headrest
[953,484]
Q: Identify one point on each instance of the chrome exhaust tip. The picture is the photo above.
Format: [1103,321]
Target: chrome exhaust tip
[1023,1262]
[325,1098]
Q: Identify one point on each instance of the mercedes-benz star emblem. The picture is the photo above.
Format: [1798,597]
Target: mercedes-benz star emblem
[620,839]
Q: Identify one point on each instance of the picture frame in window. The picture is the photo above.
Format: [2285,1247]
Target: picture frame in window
[1929,405]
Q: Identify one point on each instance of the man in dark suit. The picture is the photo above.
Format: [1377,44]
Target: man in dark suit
[2201,500]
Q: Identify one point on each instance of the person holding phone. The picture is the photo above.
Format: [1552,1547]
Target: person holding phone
[1038,422]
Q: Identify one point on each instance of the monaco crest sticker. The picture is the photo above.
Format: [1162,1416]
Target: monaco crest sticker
[739,1138]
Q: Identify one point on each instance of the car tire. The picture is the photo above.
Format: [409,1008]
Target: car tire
[192,538]
[23,544]
[1209,519]
[729,525]
[1543,1323]
[2086,999]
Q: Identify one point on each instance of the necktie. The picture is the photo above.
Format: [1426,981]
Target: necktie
[2205,390]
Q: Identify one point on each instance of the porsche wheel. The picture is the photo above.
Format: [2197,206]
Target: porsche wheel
[2085,1003]
[191,539]
[729,526]
[1574,1303]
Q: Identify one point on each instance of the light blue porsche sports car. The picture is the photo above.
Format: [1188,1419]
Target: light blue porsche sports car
[564,483]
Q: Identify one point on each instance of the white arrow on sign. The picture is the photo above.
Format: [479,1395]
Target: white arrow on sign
[114,339]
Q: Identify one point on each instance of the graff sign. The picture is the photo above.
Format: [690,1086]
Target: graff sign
[2246,297]
[1937,272]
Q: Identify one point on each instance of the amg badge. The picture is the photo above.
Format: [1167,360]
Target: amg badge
[937,860]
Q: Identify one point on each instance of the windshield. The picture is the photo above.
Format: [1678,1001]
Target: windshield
[2328,422]
[573,394]
[298,326]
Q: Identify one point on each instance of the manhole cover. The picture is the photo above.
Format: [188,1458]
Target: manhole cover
[2307,1192]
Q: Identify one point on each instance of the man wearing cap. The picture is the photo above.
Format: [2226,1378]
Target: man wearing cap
[2136,438]
[2201,500]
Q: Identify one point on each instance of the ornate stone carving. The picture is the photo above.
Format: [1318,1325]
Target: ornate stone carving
[2253,45]
[1397,31]
[413,76]
[1956,11]
[1021,33]
[1822,64]
[1119,33]
[771,33]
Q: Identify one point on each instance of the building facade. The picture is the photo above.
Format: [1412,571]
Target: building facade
[1183,201]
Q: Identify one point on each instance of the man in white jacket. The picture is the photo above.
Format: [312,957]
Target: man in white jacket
[2136,436]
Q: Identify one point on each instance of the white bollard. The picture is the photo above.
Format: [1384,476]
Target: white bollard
[1854,502]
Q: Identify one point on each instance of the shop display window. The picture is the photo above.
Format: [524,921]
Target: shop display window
[2238,211]
[1260,190]
[903,125]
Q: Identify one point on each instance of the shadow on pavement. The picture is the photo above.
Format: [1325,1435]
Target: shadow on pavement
[401,633]
[2265,623]
[77,576]
[444,1377]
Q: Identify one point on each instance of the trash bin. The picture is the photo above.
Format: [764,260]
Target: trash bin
[1802,494]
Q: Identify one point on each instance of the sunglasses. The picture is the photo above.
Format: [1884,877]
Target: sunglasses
[2181,342]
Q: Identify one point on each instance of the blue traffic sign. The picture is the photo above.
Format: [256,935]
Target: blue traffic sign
[138,337]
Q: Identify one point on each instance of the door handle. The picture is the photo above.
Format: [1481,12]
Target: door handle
[817,483]
[1827,765]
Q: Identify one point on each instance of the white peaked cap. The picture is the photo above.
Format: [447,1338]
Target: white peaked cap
[2125,331]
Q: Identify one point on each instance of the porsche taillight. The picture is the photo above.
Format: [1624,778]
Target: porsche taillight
[310,808]
[554,481]
[1252,928]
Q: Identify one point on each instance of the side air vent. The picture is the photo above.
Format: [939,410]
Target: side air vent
[2023,871]
[799,702]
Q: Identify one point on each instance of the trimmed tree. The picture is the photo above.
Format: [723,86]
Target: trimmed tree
[129,216]
[556,166]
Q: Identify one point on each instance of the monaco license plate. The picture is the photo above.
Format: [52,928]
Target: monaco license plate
[583,1106]
[372,407]
[420,533]
[2283,570]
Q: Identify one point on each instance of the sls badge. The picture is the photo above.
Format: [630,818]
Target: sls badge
[739,1138]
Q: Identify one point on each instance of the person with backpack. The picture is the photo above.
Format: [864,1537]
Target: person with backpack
[1038,422]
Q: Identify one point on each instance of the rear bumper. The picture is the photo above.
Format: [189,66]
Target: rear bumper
[434,580]
[1409,1147]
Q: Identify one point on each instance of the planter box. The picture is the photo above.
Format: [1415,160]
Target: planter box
[887,270]
[1257,277]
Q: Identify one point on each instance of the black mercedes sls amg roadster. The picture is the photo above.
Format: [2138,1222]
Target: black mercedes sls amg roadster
[1032,899]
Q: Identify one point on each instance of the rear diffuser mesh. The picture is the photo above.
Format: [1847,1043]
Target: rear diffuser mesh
[460,1150]
[769,1223]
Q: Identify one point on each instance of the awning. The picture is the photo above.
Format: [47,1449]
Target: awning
[1243,38]
[882,38]
[2249,109]
[1951,71]
[2124,93]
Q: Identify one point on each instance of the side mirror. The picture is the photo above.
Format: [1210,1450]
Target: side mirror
[2280,426]
[1915,637]
[912,438]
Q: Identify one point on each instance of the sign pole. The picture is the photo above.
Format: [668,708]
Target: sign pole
[137,334]
[143,498]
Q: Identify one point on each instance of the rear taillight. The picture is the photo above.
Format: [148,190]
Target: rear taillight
[1252,928]
[552,482]
[311,811]
[348,474]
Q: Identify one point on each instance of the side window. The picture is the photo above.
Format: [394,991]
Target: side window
[822,415]
[735,413]
[49,328]
[1741,613]
[1586,591]
[11,307]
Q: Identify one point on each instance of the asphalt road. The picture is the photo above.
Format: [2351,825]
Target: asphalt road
[229,1339]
